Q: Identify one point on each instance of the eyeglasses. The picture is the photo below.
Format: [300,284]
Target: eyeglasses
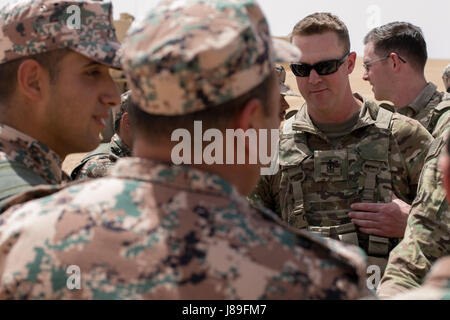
[323,68]
[368,64]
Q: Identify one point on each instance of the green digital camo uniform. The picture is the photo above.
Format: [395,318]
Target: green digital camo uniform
[32,27]
[427,235]
[97,163]
[425,108]
[321,177]
[25,162]
[161,231]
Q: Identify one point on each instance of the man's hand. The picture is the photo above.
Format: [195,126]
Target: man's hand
[381,219]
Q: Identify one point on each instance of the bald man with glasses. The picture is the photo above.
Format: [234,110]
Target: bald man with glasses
[341,149]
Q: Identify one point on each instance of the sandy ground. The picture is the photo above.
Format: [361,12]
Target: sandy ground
[433,73]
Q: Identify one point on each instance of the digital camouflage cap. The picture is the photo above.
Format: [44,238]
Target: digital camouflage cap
[190,55]
[38,26]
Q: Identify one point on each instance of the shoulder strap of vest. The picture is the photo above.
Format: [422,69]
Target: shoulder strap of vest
[16,178]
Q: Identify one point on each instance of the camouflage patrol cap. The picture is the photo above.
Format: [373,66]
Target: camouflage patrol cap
[446,77]
[284,88]
[32,27]
[190,55]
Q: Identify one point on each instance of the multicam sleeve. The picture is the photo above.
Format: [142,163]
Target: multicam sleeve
[266,192]
[427,233]
[411,144]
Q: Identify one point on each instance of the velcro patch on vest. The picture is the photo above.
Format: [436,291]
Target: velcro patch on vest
[330,165]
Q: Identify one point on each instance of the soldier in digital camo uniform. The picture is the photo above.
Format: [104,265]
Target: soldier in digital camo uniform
[395,55]
[343,158]
[428,229]
[156,230]
[97,163]
[55,88]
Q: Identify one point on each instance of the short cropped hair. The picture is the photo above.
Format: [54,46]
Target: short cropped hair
[8,71]
[322,22]
[403,38]
[158,127]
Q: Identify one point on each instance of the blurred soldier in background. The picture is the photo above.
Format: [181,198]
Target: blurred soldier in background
[342,149]
[395,55]
[284,91]
[55,87]
[156,230]
[446,78]
[97,163]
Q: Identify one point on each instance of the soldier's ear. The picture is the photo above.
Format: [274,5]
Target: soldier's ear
[32,79]
[351,62]
[249,116]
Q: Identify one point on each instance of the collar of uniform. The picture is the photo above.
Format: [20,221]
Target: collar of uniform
[423,98]
[118,147]
[18,147]
[175,176]
[303,122]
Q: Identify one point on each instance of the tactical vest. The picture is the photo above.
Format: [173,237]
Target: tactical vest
[318,186]
[16,178]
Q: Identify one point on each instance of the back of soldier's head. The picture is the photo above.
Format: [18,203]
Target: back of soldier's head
[403,38]
[198,60]
[320,23]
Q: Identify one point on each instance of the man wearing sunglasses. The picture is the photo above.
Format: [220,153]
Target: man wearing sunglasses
[395,55]
[340,148]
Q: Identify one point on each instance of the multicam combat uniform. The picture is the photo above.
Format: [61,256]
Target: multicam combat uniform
[172,232]
[24,163]
[428,229]
[426,108]
[436,285]
[156,230]
[321,177]
[97,163]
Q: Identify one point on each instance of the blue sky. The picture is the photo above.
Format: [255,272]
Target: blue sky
[359,16]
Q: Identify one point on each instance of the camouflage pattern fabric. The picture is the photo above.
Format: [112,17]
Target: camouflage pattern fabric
[423,108]
[36,26]
[202,53]
[172,232]
[97,163]
[436,285]
[446,77]
[331,175]
[427,232]
[25,162]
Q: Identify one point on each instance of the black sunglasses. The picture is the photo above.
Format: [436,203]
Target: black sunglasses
[323,68]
